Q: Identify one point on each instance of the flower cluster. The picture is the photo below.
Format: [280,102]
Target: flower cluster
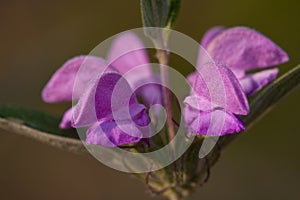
[218,93]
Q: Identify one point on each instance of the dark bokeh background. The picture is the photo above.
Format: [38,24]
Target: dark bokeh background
[38,36]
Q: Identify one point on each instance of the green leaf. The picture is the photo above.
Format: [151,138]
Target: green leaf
[35,119]
[267,99]
[173,12]
[159,13]
[40,126]
[155,12]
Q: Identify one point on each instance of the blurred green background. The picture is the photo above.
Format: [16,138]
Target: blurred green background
[38,36]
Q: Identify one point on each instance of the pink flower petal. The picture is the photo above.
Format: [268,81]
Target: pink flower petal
[128,52]
[60,86]
[67,119]
[108,134]
[254,82]
[191,78]
[216,83]
[212,123]
[211,34]
[243,49]
[110,97]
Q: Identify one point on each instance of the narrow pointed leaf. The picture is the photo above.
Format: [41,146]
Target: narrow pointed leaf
[155,12]
[159,13]
[39,126]
[173,12]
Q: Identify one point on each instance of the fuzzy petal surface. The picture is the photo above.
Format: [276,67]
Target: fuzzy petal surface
[211,34]
[110,98]
[128,52]
[108,134]
[254,82]
[80,69]
[212,123]
[218,85]
[242,49]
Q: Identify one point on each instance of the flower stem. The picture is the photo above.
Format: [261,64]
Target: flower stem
[163,58]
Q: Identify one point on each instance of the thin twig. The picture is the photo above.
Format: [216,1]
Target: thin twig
[163,58]
[64,143]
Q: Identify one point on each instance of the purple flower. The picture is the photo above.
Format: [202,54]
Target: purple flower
[218,90]
[127,52]
[108,105]
[242,50]
[216,98]
[111,118]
